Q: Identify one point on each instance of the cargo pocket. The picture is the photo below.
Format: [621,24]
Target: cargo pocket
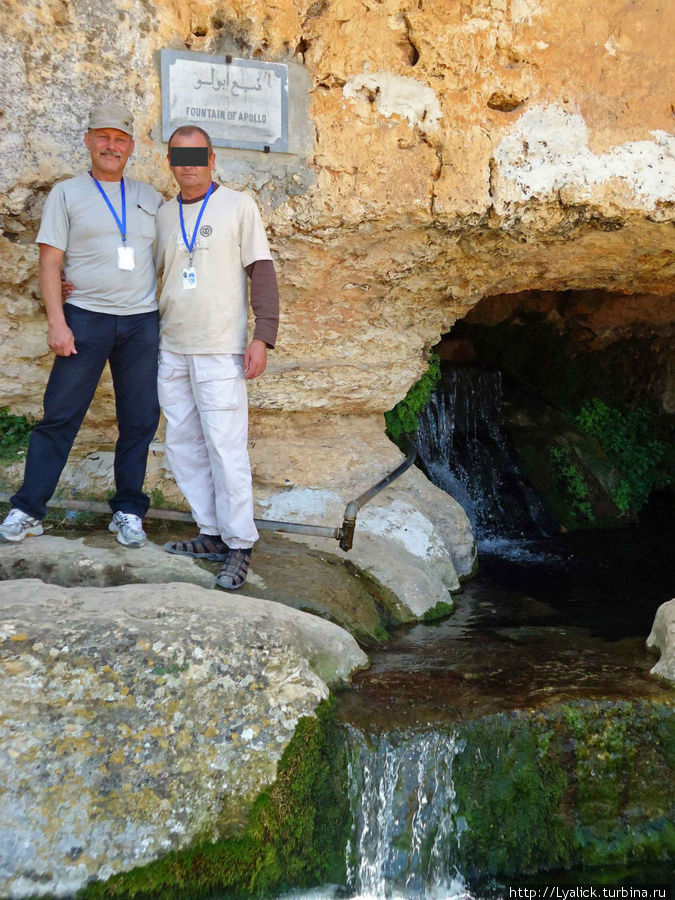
[167,382]
[217,389]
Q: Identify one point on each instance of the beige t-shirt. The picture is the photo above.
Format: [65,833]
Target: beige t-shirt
[213,317]
[77,220]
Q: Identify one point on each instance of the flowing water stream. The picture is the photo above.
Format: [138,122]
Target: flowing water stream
[404,824]
[464,450]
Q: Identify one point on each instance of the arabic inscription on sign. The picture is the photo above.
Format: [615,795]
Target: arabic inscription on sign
[239,102]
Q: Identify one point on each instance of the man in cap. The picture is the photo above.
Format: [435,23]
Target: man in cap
[99,227]
[210,242]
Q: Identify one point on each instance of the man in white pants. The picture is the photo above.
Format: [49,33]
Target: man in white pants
[210,242]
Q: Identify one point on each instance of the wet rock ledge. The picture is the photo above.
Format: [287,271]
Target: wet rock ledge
[143,719]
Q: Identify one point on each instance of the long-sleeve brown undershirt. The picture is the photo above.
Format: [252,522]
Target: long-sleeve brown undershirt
[264,295]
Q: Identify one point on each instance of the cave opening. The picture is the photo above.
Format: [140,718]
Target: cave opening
[586,385]
[552,423]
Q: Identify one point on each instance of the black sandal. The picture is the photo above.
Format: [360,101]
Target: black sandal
[204,546]
[233,574]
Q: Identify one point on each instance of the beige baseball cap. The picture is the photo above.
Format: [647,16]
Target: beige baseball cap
[112,115]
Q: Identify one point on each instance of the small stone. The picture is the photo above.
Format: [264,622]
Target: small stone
[662,638]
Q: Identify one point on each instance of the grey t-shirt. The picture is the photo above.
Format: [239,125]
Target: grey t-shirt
[76,219]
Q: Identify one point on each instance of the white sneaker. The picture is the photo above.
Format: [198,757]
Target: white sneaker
[129,529]
[18,525]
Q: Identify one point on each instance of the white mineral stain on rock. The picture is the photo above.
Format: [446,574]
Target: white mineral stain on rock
[476,26]
[524,10]
[403,523]
[300,504]
[548,149]
[397,95]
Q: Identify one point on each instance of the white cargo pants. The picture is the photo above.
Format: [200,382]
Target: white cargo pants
[205,404]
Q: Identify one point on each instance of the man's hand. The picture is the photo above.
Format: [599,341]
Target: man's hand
[60,340]
[67,287]
[255,359]
[59,337]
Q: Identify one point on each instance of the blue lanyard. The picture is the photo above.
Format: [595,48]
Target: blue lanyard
[191,244]
[122,225]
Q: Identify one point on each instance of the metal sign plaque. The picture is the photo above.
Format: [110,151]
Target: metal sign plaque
[240,102]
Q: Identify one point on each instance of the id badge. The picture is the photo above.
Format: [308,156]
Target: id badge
[125,258]
[189,278]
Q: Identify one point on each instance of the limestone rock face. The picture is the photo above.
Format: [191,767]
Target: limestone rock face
[662,639]
[136,718]
[460,150]
[340,457]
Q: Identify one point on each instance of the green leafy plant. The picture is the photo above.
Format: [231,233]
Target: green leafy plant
[573,482]
[14,433]
[157,498]
[403,418]
[627,437]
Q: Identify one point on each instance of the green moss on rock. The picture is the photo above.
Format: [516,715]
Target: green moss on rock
[295,836]
[440,611]
[510,784]
[622,763]
[403,418]
[580,784]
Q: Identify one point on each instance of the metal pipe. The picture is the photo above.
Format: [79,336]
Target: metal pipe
[344,533]
[176,515]
[95,506]
[297,528]
[362,499]
[352,509]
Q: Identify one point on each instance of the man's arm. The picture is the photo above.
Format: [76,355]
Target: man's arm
[265,306]
[59,336]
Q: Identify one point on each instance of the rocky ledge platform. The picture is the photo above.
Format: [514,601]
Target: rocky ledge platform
[376,585]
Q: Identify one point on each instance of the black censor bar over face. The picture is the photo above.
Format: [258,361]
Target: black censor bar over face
[189,156]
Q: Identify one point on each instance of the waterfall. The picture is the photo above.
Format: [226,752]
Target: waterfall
[464,450]
[405,830]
